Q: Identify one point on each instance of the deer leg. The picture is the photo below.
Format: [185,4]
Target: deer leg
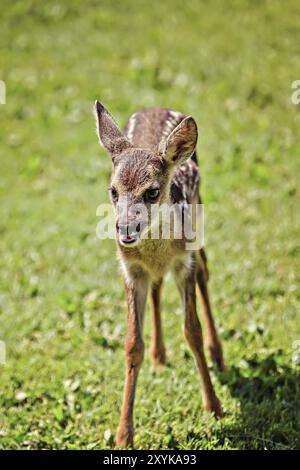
[193,334]
[136,295]
[157,348]
[212,340]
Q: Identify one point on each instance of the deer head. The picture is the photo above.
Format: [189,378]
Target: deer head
[141,177]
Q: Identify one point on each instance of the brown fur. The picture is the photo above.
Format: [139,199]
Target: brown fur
[157,150]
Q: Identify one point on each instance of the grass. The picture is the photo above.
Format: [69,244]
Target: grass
[62,310]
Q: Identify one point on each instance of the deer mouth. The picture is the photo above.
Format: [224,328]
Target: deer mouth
[127,240]
[130,235]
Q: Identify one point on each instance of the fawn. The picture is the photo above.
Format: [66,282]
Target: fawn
[154,162]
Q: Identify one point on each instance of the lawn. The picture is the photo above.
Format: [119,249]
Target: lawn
[62,310]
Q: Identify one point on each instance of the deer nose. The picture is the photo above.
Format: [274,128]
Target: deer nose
[129,229]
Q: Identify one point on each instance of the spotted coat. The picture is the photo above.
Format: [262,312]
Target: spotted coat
[147,129]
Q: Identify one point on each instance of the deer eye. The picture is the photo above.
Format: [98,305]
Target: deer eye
[114,194]
[151,195]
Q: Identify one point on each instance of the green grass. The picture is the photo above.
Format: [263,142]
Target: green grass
[62,310]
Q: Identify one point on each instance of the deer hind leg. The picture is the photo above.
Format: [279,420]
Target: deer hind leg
[136,294]
[193,334]
[212,340]
[157,348]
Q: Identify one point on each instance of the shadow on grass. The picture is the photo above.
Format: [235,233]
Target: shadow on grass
[269,394]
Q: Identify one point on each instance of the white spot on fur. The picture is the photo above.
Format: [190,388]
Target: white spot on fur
[130,127]
[172,122]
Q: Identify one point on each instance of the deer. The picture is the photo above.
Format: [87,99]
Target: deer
[154,161]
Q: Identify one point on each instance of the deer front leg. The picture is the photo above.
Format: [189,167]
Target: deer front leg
[193,334]
[157,348]
[136,293]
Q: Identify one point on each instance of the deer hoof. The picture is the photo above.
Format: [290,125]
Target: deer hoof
[158,359]
[215,407]
[216,355]
[124,438]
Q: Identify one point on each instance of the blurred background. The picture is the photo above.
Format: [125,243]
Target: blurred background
[62,311]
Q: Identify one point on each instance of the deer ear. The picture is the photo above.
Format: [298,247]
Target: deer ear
[181,143]
[109,133]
